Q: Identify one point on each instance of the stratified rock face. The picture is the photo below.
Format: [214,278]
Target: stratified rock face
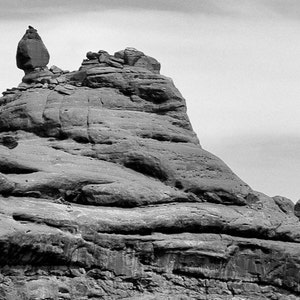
[31,52]
[106,193]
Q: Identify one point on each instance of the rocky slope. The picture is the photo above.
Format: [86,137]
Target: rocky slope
[106,193]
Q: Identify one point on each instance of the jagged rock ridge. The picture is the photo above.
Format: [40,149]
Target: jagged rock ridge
[106,193]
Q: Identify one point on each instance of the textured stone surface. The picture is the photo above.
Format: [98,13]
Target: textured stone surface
[31,51]
[297,209]
[106,193]
[285,204]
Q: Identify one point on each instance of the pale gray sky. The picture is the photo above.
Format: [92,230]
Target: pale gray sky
[235,61]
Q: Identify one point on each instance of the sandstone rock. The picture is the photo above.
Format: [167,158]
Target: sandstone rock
[92,55]
[148,63]
[37,76]
[106,193]
[116,59]
[120,54]
[285,204]
[88,64]
[56,70]
[24,86]
[65,90]
[297,209]
[31,52]
[114,64]
[61,79]
[6,186]
[53,81]
[103,56]
[131,56]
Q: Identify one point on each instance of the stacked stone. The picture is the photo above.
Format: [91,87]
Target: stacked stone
[128,57]
[33,57]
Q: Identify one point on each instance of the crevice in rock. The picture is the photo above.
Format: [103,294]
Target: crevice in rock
[59,224]
[81,199]
[11,168]
[30,194]
[171,107]
[65,194]
[80,140]
[89,138]
[182,227]
[146,165]
[218,196]
[165,138]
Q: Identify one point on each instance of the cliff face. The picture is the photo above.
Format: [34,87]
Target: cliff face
[106,193]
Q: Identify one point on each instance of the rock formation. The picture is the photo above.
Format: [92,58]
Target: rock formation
[31,51]
[297,209]
[106,193]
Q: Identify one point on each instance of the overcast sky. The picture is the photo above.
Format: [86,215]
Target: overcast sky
[237,63]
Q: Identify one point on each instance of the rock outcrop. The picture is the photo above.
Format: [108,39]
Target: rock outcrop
[106,193]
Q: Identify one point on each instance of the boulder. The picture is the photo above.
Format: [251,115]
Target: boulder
[31,51]
[132,55]
[148,63]
[56,70]
[285,204]
[120,54]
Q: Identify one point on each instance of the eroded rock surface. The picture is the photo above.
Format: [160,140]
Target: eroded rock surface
[106,193]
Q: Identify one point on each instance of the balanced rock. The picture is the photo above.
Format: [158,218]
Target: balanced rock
[123,58]
[31,51]
[106,193]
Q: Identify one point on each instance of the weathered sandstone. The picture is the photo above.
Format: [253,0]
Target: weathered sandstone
[31,52]
[106,193]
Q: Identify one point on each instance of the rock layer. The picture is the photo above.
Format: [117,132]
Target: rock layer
[106,193]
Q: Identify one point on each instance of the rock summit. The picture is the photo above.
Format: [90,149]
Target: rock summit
[106,193]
